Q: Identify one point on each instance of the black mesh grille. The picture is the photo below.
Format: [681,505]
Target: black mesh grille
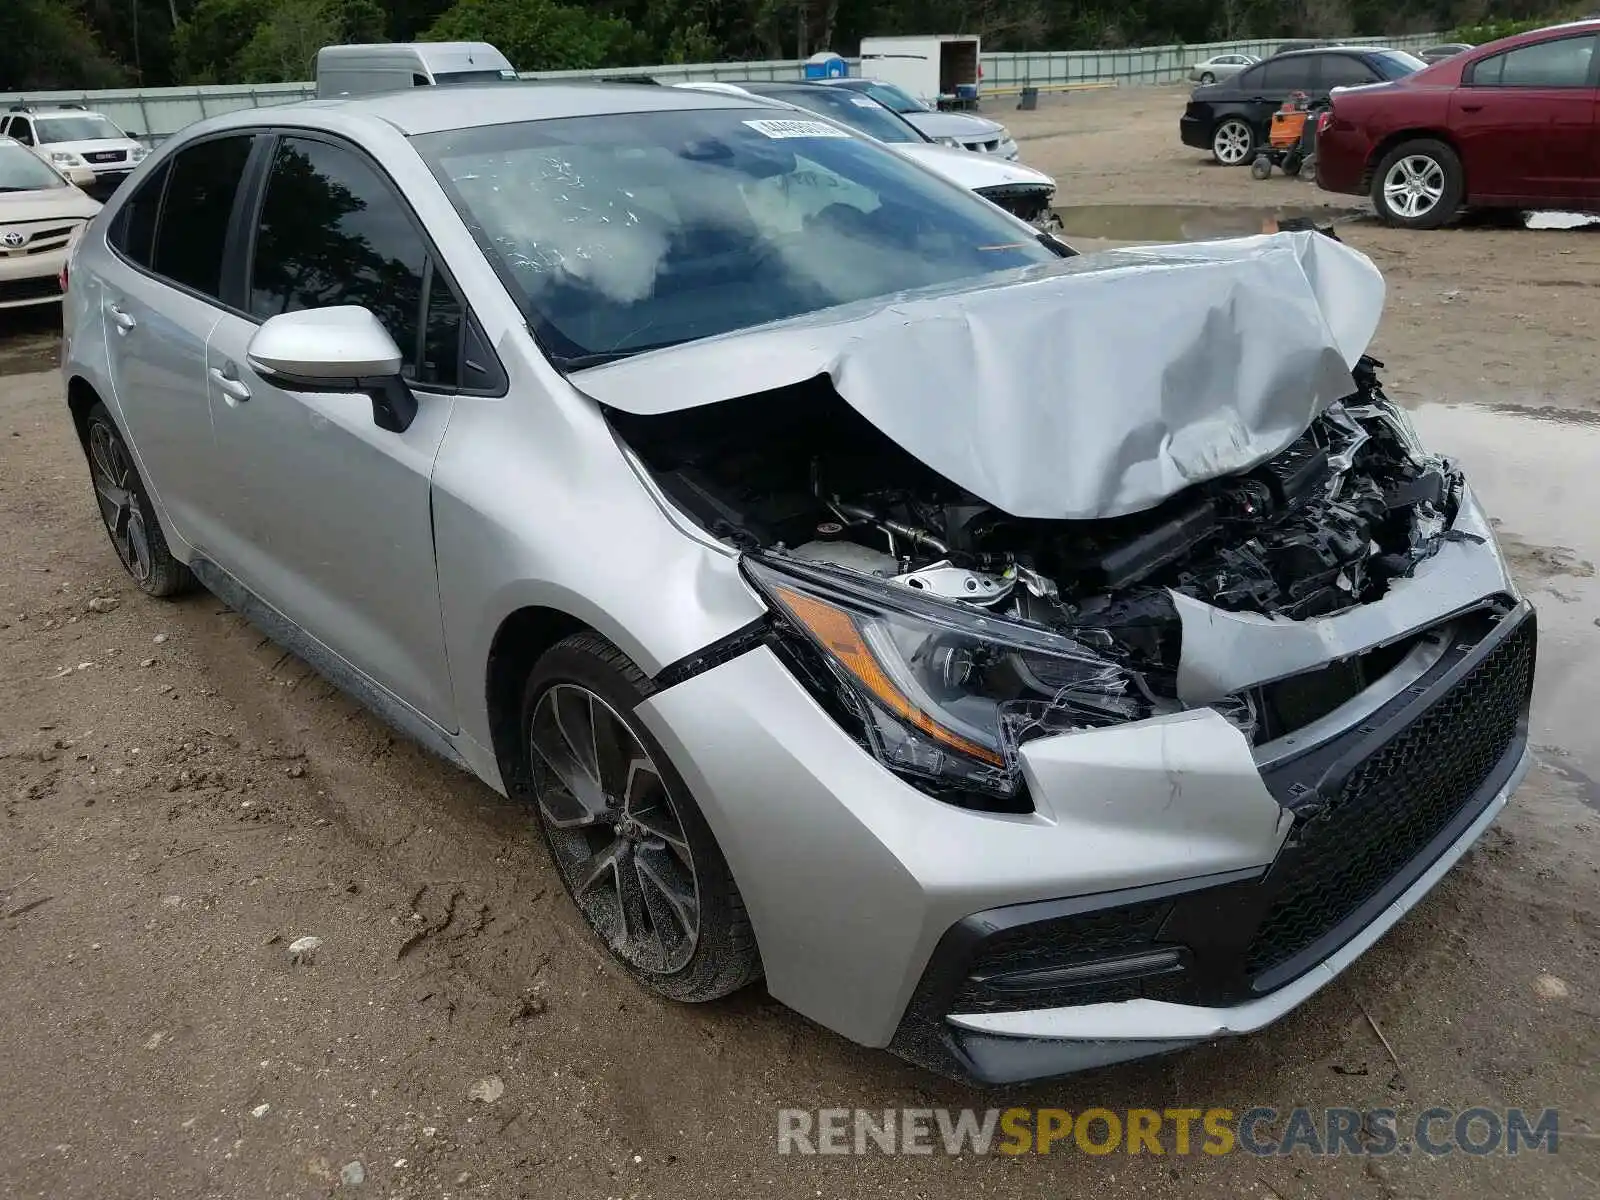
[1057,943]
[1396,802]
[29,289]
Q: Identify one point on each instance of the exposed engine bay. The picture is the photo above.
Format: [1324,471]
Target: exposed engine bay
[1329,523]
[1030,201]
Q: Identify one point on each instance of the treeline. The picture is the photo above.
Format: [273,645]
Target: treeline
[109,43]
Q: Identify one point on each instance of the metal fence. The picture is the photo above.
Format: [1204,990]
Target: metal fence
[154,113]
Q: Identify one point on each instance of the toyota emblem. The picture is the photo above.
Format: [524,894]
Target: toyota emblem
[13,239]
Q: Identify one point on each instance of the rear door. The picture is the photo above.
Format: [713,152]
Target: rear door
[1524,122]
[161,300]
[1276,79]
[328,516]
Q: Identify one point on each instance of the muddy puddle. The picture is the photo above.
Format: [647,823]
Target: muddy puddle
[1188,222]
[30,340]
[1534,471]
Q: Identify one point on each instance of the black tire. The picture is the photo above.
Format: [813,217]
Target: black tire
[1292,165]
[126,512]
[1429,162]
[1261,167]
[724,956]
[1233,142]
[1207,77]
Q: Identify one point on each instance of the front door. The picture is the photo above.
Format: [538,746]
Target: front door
[1525,123]
[329,517]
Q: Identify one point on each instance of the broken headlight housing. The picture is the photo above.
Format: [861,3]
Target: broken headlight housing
[942,693]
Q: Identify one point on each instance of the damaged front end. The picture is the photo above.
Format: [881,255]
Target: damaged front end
[947,634]
[1029,201]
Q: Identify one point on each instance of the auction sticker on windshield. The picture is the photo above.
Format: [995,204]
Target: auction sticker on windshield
[796,129]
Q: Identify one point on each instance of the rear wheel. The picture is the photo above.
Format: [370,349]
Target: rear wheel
[632,847]
[1418,185]
[1233,142]
[1207,77]
[126,511]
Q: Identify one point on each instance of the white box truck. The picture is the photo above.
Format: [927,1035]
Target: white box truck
[363,69]
[940,69]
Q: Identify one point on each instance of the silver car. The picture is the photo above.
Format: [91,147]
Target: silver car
[1020,660]
[1221,66]
[964,131]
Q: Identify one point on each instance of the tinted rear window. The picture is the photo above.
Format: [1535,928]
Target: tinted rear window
[197,210]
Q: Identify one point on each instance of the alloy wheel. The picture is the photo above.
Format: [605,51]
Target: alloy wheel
[1231,143]
[1413,186]
[113,477]
[615,832]
[1208,77]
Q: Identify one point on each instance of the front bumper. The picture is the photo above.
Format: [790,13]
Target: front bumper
[29,279]
[1219,889]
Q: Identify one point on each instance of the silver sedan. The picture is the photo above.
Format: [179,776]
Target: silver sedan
[1220,66]
[856,597]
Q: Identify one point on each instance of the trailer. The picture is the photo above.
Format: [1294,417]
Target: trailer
[940,69]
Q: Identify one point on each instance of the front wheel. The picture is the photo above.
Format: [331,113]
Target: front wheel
[1418,185]
[632,847]
[1233,142]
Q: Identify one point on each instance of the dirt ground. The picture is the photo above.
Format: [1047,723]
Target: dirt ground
[180,800]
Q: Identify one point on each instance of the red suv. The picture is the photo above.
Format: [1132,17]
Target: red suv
[1512,124]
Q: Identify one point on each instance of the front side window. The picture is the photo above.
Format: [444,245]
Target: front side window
[619,234]
[21,171]
[1563,62]
[81,127]
[202,184]
[1341,70]
[22,131]
[1397,64]
[333,231]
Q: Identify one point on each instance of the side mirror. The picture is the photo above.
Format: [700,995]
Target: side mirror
[341,349]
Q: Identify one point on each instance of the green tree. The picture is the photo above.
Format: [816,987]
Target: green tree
[540,35]
[47,44]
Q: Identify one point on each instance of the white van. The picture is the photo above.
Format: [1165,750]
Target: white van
[362,69]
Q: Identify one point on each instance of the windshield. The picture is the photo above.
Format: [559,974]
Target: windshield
[444,78]
[88,127]
[893,98]
[1397,64]
[846,107]
[619,234]
[20,171]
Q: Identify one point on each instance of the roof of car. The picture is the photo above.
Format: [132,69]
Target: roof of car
[432,109]
[1332,49]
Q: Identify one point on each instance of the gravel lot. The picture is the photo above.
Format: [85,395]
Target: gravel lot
[180,800]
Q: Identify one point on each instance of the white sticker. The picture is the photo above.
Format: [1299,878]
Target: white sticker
[796,129]
[863,102]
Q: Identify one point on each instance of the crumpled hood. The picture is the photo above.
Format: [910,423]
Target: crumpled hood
[1090,388]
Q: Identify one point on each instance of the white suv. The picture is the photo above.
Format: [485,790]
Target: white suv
[70,138]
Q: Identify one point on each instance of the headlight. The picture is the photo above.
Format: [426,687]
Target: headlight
[955,143]
[65,158]
[944,694]
[138,154]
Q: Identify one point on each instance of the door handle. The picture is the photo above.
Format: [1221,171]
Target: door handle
[230,387]
[1472,108]
[125,321]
